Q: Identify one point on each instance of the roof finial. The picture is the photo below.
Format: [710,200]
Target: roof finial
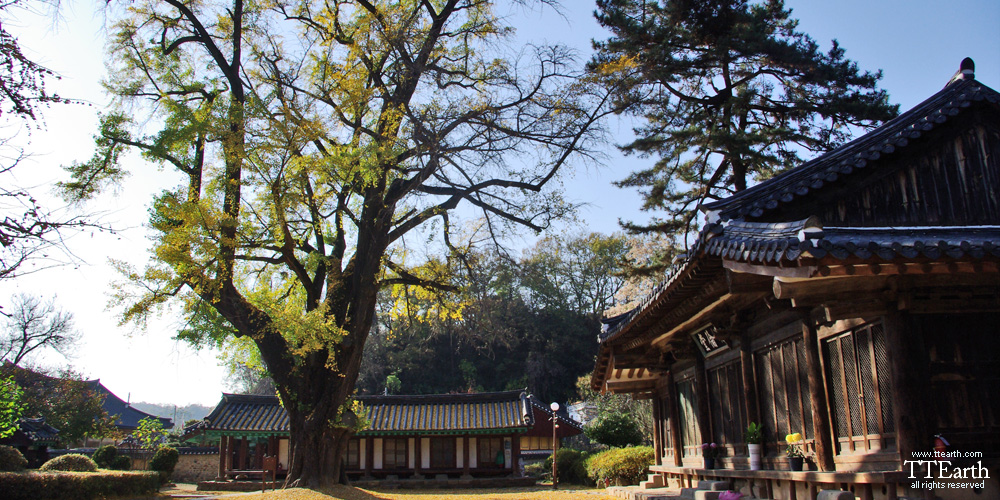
[966,71]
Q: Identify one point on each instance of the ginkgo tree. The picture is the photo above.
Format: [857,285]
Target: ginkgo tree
[312,138]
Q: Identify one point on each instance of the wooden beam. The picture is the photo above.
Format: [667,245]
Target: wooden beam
[630,386]
[747,283]
[693,322]
[789,272]
[822,430]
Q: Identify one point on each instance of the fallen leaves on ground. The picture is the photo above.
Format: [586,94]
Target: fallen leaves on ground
[351,493]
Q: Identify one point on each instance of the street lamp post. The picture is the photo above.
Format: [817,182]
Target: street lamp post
[555,444]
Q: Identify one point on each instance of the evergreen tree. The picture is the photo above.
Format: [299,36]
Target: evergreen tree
[730,93]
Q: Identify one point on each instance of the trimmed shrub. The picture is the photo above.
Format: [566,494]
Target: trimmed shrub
[538,470]
[11,459]
[164,461]
[76,486]
[620,466]
[70,463]
[121,462]
[105,456]
[616,430]
[570,465]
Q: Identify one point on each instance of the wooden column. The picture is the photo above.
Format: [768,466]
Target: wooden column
[822,433]
[657,431]
[244,446]
[909,385]
[673,418]
[701,389]
[418,457]
[749,381]
[465,456]
[515,454]
[369,455]
[223,454]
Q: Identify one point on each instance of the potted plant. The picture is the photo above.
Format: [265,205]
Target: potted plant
[754,436]
[709,451]
[794,452]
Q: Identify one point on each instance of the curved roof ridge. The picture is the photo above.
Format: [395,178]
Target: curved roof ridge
[854,155]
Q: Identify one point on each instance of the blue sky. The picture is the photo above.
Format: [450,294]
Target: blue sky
[917,43]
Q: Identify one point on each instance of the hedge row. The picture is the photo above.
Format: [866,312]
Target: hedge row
[76,485]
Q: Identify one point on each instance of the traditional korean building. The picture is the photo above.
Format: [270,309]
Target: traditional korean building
[854,299]
[126,417]
[453,435]
[33,438]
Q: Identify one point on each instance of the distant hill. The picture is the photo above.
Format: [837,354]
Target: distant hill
[184,413]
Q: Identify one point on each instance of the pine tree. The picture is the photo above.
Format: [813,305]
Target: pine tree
[730,93]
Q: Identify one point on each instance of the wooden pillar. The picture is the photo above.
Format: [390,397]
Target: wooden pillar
[749,381]
[244,445]
[223,454]
[657,431]
[673,418]
[369,455]
[701,389]
[515,454]
[822,434]
[909,385]
[417,455]
[465,456]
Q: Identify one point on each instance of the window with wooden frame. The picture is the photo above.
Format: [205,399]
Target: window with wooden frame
[783,391]
[857,375]
[490,452]
[352,457]
[443,453]
[663,423]
[687,410]
[536,442]
[726,401]
[394,453]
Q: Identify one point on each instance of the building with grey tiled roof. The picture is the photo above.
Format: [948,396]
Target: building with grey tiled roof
[479,435]
[854,300]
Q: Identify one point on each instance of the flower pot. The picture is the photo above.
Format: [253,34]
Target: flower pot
[794,463]
[754,450]
[709,463]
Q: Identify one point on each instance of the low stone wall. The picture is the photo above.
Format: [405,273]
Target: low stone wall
[196,465]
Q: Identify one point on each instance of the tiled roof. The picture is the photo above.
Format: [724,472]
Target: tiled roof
[448,412]
[563,413]
[855,155]
[247,413]
[786,242]
[125,415]
[771,243]
[440,413]
[38,431]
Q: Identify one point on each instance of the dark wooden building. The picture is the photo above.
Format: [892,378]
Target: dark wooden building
[33,438]
[454,435]
[854,299]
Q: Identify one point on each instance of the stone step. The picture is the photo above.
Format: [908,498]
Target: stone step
[834,495]
[654,481]
[714,485]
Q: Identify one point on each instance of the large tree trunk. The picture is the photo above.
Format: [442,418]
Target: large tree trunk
[315,449]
